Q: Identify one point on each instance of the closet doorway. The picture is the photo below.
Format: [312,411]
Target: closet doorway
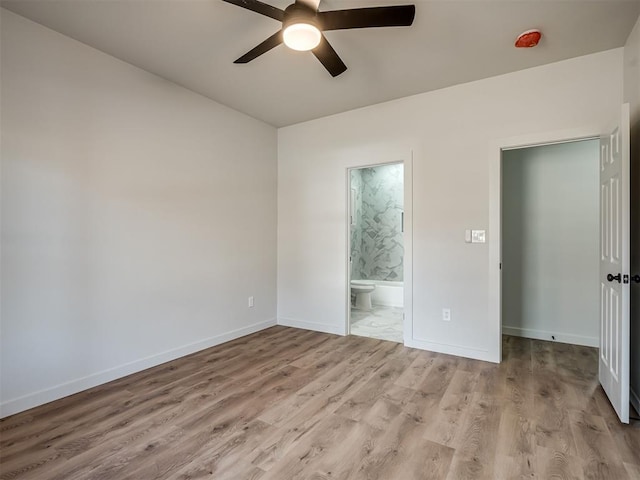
[550,249]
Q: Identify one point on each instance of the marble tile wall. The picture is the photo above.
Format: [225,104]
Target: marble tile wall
[377,249]
[356,222]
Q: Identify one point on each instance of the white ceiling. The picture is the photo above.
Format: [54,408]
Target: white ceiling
[194,43]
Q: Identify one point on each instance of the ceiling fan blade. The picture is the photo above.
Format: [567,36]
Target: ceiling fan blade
[394,16]
[313,4]
[259,7]
[271,42]
[329,58]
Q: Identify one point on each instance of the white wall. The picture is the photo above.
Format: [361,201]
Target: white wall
[451,133]
[550,242]
[137,217]
[632,96]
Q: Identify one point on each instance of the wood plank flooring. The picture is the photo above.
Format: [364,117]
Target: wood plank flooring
[293,404]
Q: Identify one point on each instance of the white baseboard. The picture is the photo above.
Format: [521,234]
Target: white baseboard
[457,350]
[317,327]
[20,404]
[545,335]
[635,399]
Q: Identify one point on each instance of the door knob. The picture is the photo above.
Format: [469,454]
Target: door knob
[635,278]
[617,278]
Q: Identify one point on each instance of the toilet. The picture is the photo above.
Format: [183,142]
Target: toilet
[362,291]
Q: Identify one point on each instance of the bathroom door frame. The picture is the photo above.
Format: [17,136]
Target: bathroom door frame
[381,159]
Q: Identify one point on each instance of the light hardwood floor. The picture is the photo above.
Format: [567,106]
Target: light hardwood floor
[293,404]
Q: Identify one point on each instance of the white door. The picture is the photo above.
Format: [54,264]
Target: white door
[614,265]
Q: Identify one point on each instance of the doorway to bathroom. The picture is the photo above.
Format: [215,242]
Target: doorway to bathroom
[377,251]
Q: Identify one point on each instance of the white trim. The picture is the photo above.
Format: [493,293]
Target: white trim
[634,399]
[20,404]
[495,252]
[316,327]
[407,327]
[546,335]
[495,217]
[347,286]
[458,350]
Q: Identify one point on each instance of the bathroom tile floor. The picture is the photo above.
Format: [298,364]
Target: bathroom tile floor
[384,323]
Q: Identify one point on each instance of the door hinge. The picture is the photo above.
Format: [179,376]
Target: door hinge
[625,279]
[500,266]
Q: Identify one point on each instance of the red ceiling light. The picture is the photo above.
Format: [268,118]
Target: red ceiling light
[528,39]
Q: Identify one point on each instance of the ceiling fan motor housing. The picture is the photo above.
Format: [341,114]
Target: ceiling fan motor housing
[300,13]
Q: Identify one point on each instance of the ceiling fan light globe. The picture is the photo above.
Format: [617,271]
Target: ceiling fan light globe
[301,36]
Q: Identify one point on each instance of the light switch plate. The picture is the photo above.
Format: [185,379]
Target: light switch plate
[478,236]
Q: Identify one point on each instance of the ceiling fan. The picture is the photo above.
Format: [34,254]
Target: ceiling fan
[303,24]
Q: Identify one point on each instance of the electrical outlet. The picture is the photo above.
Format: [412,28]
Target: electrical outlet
[250,302]
[446,314]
